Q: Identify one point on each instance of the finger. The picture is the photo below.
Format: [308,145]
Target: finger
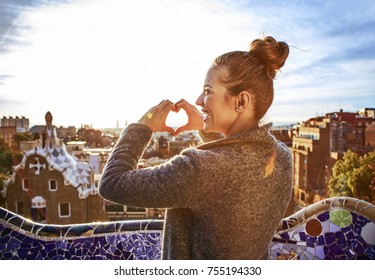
[170,130]
[152,109]
[182,104]
[160,102]
[168,107]
[181,129]
[166,103]
[176,106]
[190,109]
[181,101]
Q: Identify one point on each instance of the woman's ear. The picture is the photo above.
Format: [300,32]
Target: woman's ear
[244,99]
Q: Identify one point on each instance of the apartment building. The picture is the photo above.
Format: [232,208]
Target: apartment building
[317,144]
[22,124]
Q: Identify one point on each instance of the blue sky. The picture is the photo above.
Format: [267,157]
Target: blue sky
[102,61]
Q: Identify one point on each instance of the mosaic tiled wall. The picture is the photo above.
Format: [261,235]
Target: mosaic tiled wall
[127,240]
[339,228]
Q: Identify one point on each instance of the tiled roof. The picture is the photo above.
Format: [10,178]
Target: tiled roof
[78,174]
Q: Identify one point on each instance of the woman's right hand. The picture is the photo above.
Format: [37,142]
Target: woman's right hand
[155,118]
[195,118]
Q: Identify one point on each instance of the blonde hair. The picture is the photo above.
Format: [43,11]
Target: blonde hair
[255,70]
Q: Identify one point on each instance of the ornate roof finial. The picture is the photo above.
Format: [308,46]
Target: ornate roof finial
[48,117]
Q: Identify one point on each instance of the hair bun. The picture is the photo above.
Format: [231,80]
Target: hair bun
[271,52]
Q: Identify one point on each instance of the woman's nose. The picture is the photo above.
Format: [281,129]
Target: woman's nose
[200,101]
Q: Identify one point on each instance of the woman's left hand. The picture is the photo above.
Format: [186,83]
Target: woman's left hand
[195,118]
[155,118]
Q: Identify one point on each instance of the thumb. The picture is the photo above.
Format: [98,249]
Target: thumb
[170,130]
[181,129]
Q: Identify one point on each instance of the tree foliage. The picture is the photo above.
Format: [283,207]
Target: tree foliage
[5,158]
[354,176]
[22,136]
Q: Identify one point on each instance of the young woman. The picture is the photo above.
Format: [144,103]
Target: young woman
[224,198]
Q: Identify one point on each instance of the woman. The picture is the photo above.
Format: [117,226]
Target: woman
[224,198]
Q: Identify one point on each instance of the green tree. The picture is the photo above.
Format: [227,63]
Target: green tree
[6,161]
[3,178]
[22,136]
[354,176]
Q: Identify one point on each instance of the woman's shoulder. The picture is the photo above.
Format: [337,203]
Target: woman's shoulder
[283,148]
[201,156]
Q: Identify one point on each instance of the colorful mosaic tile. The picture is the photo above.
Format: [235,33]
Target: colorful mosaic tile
[340,217]
[338,228]
[127,240]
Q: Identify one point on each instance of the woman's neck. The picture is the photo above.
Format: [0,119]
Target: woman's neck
[242,125]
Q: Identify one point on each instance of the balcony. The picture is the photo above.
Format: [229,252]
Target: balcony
[335,228]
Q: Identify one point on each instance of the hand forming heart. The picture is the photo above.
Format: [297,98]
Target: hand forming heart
[176,118]
[156,117]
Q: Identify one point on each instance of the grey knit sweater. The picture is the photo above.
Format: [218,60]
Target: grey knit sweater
[224,199]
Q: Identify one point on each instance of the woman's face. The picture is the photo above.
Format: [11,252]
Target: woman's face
[218,106]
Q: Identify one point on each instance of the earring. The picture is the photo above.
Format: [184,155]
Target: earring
[237,109]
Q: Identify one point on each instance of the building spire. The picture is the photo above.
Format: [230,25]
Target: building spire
[49,118]
[50,133]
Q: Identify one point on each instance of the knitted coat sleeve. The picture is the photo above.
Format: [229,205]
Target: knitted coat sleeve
[163,186]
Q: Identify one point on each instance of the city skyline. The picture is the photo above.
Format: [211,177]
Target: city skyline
[173,121]
[112,60]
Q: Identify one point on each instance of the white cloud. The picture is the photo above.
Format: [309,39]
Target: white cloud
[102,61]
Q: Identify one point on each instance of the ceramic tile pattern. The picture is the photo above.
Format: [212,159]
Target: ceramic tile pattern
[127,240]
[339,228]
[75,173]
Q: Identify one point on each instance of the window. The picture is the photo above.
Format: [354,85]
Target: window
[64,210]
[52,184]
[39,215]
[19,208]
[25,184]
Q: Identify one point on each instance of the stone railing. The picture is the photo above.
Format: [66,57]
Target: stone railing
[335,228]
